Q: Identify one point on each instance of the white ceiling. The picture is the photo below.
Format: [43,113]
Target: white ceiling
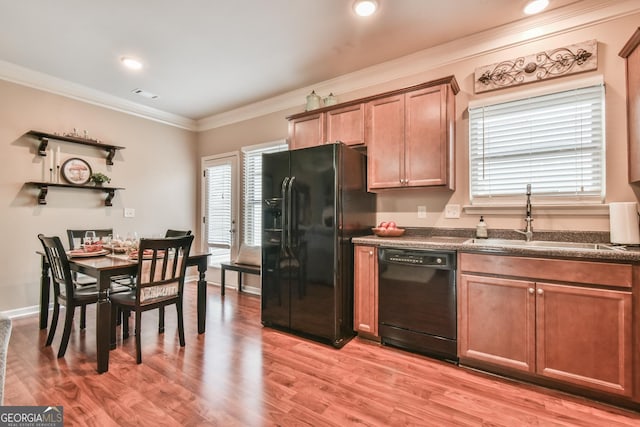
[205,57]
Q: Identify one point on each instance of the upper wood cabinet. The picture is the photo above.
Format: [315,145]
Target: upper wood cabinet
[306,131]
[631,53]
[410,138]
[385,134]
[414,125]
[345,124]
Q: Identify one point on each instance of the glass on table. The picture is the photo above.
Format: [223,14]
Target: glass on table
[89,237]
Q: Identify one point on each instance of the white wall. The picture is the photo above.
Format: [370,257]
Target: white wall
[158,169]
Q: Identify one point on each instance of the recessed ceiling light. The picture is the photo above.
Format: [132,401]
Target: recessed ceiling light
[536,6]
[365,7]
[131,63]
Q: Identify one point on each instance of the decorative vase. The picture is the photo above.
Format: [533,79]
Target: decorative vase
[313,101]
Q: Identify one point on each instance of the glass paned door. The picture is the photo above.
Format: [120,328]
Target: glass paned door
[220,207]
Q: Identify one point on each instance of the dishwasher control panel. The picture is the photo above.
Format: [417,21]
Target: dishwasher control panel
[440,259]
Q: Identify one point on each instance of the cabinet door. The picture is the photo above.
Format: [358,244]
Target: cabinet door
[306,131]
[346,124]
[633,108]
[385,142]
[426,144]
[496,321]
[584,337]
[366,290]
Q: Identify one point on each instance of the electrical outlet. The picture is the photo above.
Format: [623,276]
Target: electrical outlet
[452,211]
[422,211]
[129,212]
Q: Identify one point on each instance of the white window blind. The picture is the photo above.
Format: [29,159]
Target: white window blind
[252,189]
[219,187]
[554,142]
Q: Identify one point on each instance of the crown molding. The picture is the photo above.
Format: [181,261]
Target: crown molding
[34,79]
[571,18]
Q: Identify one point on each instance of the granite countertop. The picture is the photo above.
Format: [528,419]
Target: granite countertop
[460,240]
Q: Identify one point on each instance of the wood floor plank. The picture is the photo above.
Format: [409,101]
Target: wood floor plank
[241,374]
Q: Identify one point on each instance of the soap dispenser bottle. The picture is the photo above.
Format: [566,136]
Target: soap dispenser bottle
[481,229]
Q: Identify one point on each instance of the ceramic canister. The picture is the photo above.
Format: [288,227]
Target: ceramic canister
[313,101]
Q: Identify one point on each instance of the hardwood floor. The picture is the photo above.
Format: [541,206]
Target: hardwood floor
[241,374]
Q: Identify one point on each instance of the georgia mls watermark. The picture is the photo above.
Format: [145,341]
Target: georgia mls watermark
[31,416]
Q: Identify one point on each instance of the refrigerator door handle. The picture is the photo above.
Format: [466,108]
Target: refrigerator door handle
[283,191]
[290,214]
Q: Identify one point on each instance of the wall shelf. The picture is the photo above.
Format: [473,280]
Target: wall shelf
[44,189]
[44,138]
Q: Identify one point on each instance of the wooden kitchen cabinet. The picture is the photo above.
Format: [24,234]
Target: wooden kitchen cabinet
[366,291]
[583,336]
[418,130]
[385,137]
[345,124]
[306,131]
[410,138]
[559,320]
[497,321]
[631,53]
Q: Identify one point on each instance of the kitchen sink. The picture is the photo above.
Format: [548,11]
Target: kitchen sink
[543,244]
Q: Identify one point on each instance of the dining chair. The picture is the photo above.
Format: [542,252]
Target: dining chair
[65,291]
[159,282]
[177,233]
[169,233]
[119,283]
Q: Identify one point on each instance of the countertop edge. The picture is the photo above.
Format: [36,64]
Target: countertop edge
[458,244]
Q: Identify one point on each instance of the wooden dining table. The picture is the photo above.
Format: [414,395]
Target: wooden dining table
[103,268]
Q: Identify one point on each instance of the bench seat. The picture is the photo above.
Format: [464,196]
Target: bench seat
[240,268]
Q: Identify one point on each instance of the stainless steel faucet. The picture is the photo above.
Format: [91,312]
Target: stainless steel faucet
[528,230]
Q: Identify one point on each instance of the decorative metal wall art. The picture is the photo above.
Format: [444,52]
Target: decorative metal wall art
[564,61]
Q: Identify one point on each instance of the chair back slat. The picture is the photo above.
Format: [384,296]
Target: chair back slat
[177,233]
[162,268]
[59,264]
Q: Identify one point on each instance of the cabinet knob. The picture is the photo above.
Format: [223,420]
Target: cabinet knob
[370,253]
[532,291]
[540,291]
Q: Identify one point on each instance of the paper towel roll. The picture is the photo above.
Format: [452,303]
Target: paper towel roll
[623,223]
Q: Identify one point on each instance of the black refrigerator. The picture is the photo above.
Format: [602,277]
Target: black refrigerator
[314,201]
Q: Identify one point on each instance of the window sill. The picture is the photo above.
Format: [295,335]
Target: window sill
[559,209]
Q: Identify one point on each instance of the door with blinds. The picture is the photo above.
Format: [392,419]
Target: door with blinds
[220,206]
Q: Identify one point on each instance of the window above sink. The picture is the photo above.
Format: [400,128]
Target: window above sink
[553,141]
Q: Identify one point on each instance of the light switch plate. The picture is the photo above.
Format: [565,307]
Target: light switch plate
[129,212]
[422,211]
[452,211]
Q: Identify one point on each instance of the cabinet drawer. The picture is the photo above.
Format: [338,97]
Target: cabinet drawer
[588,272]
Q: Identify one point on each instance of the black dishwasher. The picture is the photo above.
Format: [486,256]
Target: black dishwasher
[417,301]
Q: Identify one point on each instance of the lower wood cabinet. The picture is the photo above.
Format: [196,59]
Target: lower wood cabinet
[575,333]
[365,311]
